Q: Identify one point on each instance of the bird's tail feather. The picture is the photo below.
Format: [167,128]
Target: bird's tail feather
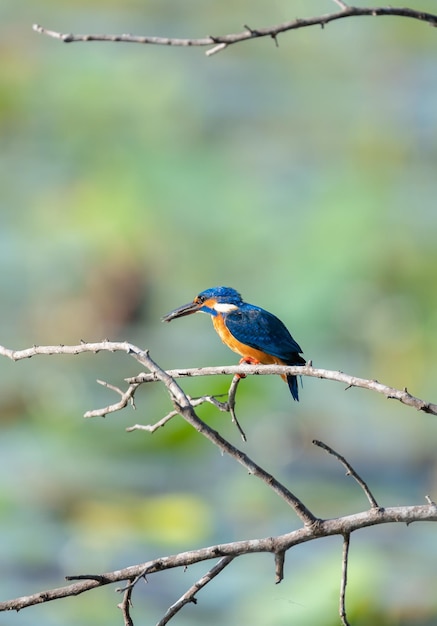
[292,384]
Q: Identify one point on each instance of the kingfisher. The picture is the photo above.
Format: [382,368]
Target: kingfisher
[252,332]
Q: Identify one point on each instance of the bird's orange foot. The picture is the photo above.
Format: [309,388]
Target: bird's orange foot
[250,360]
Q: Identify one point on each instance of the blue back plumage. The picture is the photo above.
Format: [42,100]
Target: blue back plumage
[263,331]
[259,329]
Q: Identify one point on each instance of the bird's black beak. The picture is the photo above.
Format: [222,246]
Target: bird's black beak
[185,309]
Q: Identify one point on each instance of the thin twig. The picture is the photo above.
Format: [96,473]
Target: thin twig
[232,399]
[221,42]
[229,405]
[126,605]
[163,421]
[344,569]
[127,397]
[152,427]
[189,595]
[132,582]
[218,48]
[341,4]
[350,471]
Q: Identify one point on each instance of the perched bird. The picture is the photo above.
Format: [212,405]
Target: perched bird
[257,335]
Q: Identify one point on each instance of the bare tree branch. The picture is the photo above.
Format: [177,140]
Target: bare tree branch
[345,563]
[350,471]
[189,595]
[125,606]
[228,406]
[186,411]
[273,545]
[221,42]
[148,427]
[105,345]
[313,527]
[127,397]
[184,406]
[402,396]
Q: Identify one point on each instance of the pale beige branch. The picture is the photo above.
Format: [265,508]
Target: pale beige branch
[350,471]
[344,570]
[190,594]
[313,527]
[221,42]
[402,395]
[169,376]
[273,545]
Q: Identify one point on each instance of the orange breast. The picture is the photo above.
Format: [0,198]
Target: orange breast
[241,348]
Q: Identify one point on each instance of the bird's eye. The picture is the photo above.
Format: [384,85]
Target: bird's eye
[199,299]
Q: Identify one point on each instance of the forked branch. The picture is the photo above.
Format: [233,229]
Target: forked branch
[169,377]
[312,526]
[273,545]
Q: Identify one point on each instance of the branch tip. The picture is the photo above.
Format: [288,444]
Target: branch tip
[216,49]
[279,566]
[350,472]
[253,32]
[342,5]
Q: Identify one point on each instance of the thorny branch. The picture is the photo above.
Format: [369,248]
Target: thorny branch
[125,606]
[402,396]
[312,528]
[182,404]
[272,545]
[218,43]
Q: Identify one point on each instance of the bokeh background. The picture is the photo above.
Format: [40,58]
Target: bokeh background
[134,177]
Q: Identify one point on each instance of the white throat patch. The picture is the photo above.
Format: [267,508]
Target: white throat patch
[222,307]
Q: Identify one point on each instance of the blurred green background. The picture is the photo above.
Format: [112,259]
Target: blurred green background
[134,177]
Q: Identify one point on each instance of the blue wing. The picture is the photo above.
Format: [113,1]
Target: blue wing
[263,331]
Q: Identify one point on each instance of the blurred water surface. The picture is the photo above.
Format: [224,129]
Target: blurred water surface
[134,177]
